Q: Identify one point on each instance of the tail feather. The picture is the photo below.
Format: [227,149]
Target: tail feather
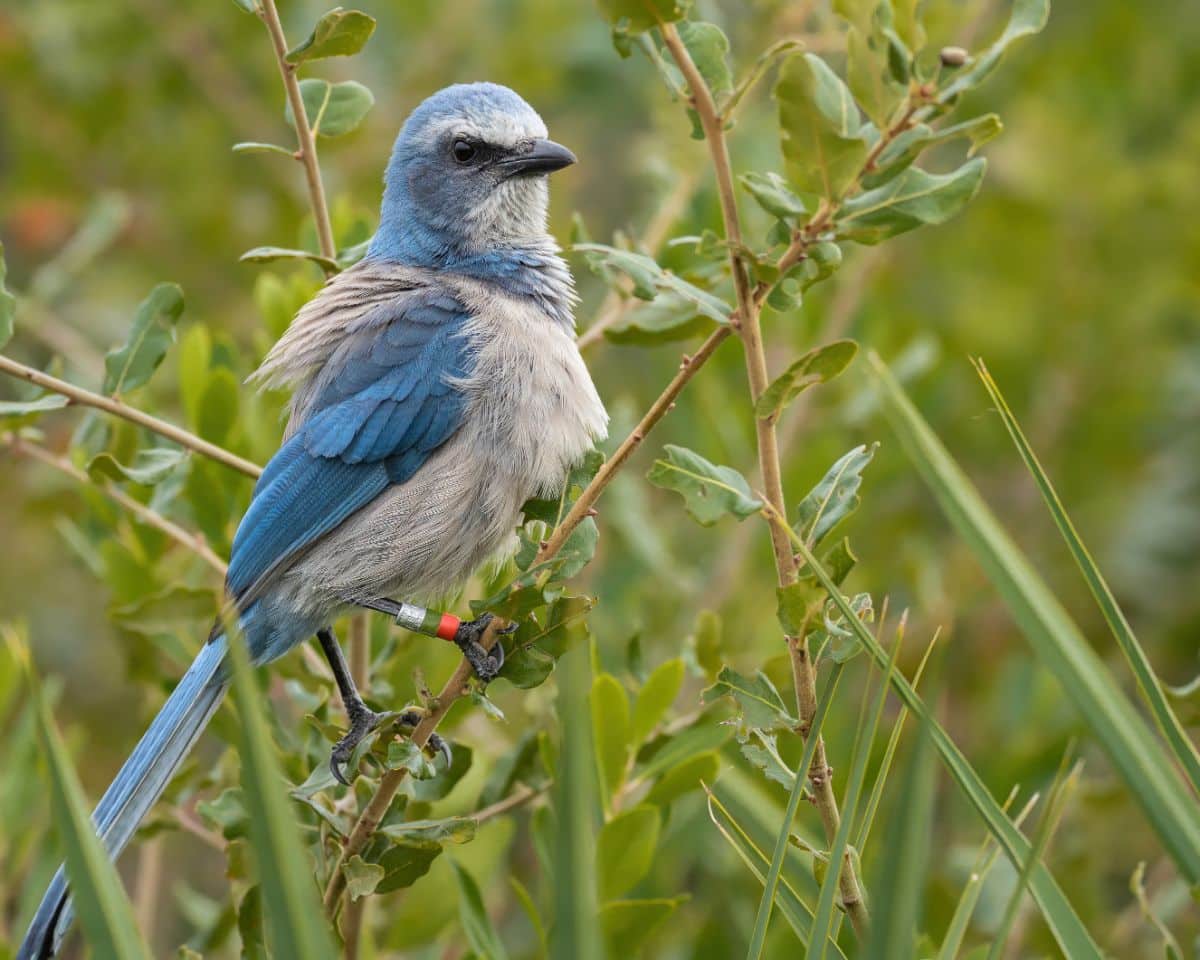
[138,785]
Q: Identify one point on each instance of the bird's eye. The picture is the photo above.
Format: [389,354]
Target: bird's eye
[463,152]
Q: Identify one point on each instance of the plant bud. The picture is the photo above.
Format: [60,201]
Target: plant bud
[953,56]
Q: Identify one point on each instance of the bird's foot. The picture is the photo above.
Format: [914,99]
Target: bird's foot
[486,663]
[436,744]
[363,722]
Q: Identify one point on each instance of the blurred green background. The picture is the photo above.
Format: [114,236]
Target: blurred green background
[1075,275]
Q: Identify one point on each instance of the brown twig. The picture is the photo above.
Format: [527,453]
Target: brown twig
[118,408]
[749,304]
[306,141]
[193,541]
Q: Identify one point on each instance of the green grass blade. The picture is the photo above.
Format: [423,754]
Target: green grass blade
[763,918]
[905,861]
[103,908]
[293,911]
[1055,802]
[1149,685]
[864,737]
[787,900]
[1060,916]
[889,754]
[989,851]
[1129,743]
[576,933]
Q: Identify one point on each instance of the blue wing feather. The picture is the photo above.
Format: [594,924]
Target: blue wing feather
[388,404]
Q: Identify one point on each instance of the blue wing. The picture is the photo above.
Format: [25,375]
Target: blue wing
[385,401]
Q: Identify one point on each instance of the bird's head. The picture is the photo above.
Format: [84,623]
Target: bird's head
[467,177]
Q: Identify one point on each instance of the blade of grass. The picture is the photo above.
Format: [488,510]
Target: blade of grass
[989,851]
[789,902]
[576,934]
[864,737]
[1063,784]
[905,857]
[1150,687]
[1134,751]
[763,917]
[1064,922]
[291,900]
[99,898]
[889,754]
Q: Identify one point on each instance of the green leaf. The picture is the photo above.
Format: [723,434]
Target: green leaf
[655,698]
[684,778]
[271,254]
[709,49]
[1118,728]
[913,199]
[219,404]
[254,146]
[246,6]
[406,862]
[665,319]
[649,279]
[1028,17]
[820,126]
[292,907]
[194,362]
[481,935]
[153,331]
[761,749]
[610,728]
[457,830]
[761,705]
[835,497]
[8,304]
[361,877]
[439,786]
[625,850]
[771,192]
[24,408]
[902,151]
[627,924]
[1149,685]
[96,890]
[868,76]
[819,365]
[167,610]
[148,468]
[339,33]
[636,16]
[333,109]
[709,491]
[794,606]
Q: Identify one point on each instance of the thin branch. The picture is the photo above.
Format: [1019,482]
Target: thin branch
[306,141]
[511,802]
[749,304]
[193,541]
[120,409]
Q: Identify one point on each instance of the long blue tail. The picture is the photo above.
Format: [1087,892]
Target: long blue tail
[139,784]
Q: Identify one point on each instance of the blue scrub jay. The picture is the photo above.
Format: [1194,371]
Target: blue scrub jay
[436,387]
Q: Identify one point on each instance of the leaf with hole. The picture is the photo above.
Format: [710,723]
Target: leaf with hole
[709,491]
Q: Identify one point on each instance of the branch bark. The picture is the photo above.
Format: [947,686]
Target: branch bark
[749,306]
[306,141]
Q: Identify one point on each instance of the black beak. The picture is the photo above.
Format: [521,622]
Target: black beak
[544,156]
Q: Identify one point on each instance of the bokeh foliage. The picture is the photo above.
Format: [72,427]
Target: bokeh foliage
[1073,272]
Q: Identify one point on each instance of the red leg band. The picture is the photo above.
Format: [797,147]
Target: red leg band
[448,627]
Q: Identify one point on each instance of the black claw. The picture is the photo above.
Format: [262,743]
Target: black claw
[362,722]
[486,664]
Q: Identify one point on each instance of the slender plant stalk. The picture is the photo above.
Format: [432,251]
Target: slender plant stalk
[749,305]
[193,541]
[306,141]
[118,408]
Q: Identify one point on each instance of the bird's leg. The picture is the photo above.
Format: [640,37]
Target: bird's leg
[463,634]
[362,718]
